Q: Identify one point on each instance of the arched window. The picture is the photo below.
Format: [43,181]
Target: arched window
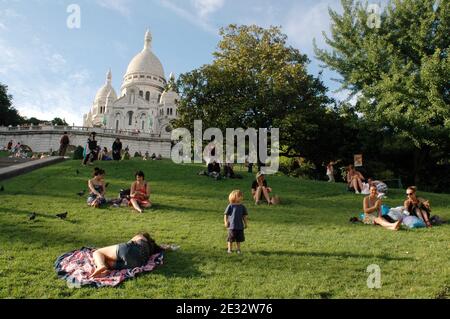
[117,125]
[147,96]
[171,112]
[159,97]
[142,125]
[130,118]
[141,94]
[168,111]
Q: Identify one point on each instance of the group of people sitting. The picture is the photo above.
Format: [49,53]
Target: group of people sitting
[415,206]
[147,157]
[357,183]
[137,197]
[214,170]
[93,152]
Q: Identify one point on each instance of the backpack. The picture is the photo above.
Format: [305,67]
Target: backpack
[125,193]
[92,145]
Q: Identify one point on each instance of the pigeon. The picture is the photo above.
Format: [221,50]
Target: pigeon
[106,185]
[81,193]
[2,189]
[32,216]
[78,172]
[62,215]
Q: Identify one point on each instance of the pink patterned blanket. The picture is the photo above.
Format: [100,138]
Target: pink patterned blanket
[76,266]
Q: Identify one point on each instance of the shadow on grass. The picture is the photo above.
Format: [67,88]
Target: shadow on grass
[325,255]
[179,264]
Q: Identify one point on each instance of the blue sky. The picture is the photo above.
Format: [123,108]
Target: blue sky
[52,70]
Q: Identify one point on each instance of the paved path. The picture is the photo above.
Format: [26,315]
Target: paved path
[12,167]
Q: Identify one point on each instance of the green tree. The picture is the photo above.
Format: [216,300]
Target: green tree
[32,120]
[400,71]
[8,114]
[59,122]
[257,81]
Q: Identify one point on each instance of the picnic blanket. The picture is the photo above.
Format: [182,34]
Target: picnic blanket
[76,266]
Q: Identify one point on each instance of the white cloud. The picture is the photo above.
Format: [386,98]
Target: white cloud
[304,23]
[66,93]
[120,6]
[206,7]
[192,18]
[56,62]
[345,96]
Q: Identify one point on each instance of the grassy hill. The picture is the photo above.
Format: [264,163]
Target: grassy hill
[305,248]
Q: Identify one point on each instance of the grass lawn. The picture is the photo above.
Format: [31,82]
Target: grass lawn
[305,248]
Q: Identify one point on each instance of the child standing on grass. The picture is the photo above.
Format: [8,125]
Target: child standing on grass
[235,219]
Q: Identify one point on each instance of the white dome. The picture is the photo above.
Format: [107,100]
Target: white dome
[169,96]
[146,62]
[106,90]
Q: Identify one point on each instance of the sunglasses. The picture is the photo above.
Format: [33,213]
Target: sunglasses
[409,194]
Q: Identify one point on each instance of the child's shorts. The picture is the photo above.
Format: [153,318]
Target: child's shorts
[235,235]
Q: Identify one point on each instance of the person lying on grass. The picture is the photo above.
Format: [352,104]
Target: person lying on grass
[134,253]
[372,211]
[97,189]
[140,193]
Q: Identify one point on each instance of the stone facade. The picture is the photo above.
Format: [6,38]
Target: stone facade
[147,102]
[44,139]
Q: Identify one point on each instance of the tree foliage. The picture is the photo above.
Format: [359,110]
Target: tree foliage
[8,114]
[400,71]
[257,81]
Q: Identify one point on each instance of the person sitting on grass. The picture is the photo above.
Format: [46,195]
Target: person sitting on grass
[260,189]
[104,155]
[354,179]
[417,206]
[97,189]
[140,193]
[235,220]
[228,171]
[134,253]
[372,211]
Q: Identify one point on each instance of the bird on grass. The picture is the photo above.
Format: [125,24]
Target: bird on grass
[81,193]
[106,185]
[2,189]
[32,216]
[62,215]
[78,172]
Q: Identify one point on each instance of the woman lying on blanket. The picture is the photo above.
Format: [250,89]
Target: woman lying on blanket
[132,254]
